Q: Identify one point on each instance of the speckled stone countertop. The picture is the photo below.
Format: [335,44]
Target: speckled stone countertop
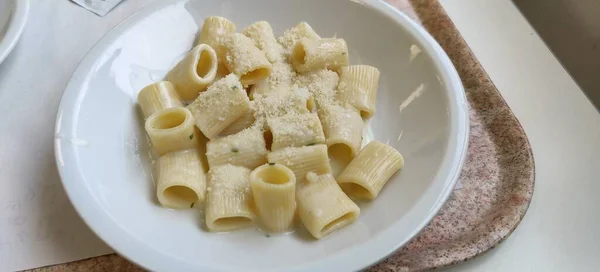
[498,177]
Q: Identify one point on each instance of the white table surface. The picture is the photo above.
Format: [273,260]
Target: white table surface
[559,232]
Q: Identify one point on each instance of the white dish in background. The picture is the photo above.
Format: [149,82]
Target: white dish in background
[102,154]
[13,16]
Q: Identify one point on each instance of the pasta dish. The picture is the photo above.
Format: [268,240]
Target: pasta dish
[265,131]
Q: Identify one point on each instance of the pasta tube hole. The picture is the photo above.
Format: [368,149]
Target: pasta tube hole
[206,64]
[311,105]
[365,114]
[233,222]
[180,195]
[274,175]
[268,139]
[255,75]
[339,222]
[299,54]
[169,119]
[356,191]
[340,155]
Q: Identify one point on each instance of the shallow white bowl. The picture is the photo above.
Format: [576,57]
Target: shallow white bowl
[102,154]
[13,16]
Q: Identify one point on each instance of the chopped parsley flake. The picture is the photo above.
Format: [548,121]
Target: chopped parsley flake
[192,205]
[268,235]
[191,136]
[235,150]
[310,144]
[271,163]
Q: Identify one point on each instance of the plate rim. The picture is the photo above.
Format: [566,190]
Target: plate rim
[16,26]
[101,223]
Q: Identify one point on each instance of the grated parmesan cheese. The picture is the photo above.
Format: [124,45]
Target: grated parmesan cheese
[321,84]
[312,177]
[294,35]
[245,60]
[279,104]
[295,130]
[219,106]
[228,181]
[246,148]
[261,34]
[279,81]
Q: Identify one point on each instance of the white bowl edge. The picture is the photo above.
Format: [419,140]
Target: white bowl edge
[16,25]
[351,259]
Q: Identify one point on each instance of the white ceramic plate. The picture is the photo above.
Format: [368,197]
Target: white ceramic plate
[102,154]
[13,16]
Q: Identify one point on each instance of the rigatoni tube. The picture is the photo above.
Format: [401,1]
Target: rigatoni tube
[214,30]
[279,81]
[171,130]
[293,35]
[195,72]
[274,191]
[342,127]
[261,33]
[296,130]
[310,55]
[158,96]
[245,148]
[218,107]
[370,170]
[280,104]
[245,60]
[302,160]
[244,122]
[323,207]
[181,179]
[321,84]
[228,198]
[358,87]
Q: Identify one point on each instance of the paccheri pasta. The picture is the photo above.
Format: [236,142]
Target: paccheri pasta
[266,131]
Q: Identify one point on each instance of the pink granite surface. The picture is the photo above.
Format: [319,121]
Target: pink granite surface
[498,177]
